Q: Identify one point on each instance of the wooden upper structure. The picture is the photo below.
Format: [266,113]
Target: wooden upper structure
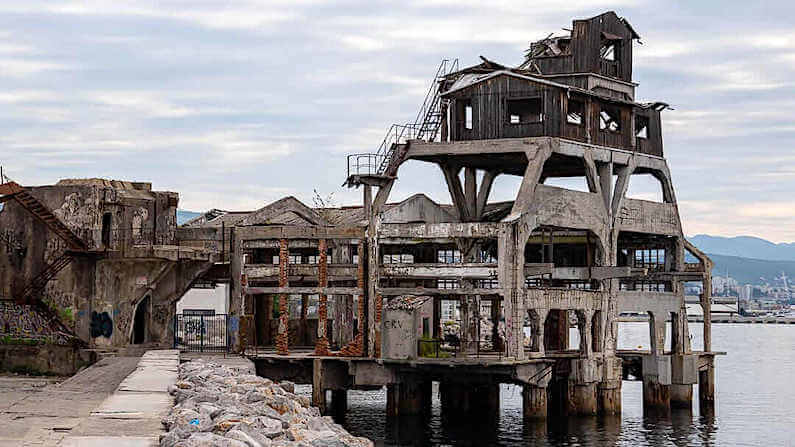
[577,87]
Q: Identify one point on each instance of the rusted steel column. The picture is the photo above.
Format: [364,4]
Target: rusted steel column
[282,334]
[356,347]
[321,346]
[379,305]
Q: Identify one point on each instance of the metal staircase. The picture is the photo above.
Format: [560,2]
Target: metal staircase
[41,212]
[74,244]
[425,127]
[36,285]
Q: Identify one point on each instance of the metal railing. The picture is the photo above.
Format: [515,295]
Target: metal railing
[454,347]
[201,333]
[425,126]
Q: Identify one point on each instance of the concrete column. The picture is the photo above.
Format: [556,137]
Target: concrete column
[534,402]
[706,387]
[608,394]
[410,396]
[656,384]
[318,392]
[681,396]
[581,399]
[469,398]
[339,404]
[656,397]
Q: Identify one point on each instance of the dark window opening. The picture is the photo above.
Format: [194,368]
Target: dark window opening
[641,127]
[426,327]
[610,120]
[106,225]
[575,113]
[528,110]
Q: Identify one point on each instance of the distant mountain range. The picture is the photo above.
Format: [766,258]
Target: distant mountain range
[747,259]
[745,247]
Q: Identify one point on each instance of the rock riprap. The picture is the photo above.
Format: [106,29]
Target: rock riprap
[216,406]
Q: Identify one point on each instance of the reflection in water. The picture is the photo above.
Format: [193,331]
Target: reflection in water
[755,406]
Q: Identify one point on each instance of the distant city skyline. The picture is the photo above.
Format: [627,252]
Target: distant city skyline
[237,105]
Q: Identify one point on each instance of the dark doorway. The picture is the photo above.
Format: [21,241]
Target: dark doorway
[106,222]
[141,322]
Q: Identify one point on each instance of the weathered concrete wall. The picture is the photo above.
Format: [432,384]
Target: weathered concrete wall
[44,359]
[24,322]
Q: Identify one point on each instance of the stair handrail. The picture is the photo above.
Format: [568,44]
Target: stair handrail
[397,134]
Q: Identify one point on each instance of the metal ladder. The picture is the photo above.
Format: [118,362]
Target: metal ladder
[426,124]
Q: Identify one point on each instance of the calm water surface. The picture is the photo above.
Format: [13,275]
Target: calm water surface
[755,393]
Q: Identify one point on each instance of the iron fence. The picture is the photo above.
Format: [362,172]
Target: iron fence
[201,333]
[453,347]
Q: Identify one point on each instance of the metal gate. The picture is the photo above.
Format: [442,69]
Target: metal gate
[201,333]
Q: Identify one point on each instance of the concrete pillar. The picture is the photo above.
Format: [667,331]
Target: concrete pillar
[534,402]
[468,398]
[608,394]
[411,396]
[581,399]
[706,387]
[318,392]
[339,404]
[681,396]
[656,384]
[656,397]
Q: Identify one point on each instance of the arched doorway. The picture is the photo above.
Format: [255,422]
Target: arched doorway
[140,332]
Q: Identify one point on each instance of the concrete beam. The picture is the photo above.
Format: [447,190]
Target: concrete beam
[295,232]
[454,293]
[303,290]
[440,230]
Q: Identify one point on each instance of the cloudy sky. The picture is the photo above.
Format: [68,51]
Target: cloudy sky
[237,103]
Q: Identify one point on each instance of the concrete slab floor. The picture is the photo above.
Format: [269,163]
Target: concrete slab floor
[83,409]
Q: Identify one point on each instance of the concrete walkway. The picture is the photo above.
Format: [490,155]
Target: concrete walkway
[131,416]
[116,402]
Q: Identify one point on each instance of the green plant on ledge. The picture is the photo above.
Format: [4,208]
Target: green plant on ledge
[12,340]
[427,348]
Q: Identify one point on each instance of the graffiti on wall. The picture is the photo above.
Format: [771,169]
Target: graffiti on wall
[77,213]
[101,325]
[20,320]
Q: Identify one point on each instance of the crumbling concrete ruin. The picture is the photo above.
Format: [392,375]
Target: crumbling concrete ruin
[330,296]
[94,262]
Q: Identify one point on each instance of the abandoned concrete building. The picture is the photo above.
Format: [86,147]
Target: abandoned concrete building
[93,261]
[471,295]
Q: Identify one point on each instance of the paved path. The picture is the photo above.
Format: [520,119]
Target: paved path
[116,402]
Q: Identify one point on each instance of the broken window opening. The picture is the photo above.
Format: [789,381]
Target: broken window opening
[468,116]
[486,257]
[448,256]
[491,283]
[652,259]
[398,258]
[609,50]
[446,283]
[575,113]
[610,120]
[526,110]
[641,127]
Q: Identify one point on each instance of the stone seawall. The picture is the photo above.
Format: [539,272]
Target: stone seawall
[219,406]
